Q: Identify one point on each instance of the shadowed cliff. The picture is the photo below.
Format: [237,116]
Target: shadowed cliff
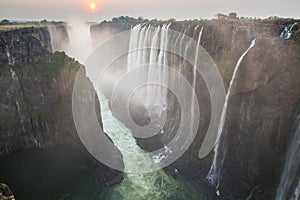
[263,105]
[36,100]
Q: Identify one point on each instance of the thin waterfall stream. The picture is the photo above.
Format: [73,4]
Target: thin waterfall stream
[155,184]
[215,170]
[289,187]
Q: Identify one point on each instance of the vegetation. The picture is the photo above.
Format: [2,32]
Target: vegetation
[171,20]
[4,22]
[234,16]
[51,69]
[221,16]
[126,19]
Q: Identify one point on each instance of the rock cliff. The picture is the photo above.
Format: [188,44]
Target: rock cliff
[263,106]
[36,100]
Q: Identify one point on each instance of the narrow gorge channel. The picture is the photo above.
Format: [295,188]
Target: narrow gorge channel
[148,82]
[155,184]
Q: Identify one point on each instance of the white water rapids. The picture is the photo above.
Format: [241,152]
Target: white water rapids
[157,184]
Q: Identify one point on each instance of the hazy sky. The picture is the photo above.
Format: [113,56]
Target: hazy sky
[161,9]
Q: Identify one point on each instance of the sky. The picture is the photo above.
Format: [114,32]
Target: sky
[151,9]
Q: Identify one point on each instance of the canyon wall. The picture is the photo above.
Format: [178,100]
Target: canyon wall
[36,96]
[36,99]
[263,105]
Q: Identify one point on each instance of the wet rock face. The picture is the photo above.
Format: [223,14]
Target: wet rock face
[25,45]
[36,97]
[37,92]
[261,115]
[262,109]
[36,108]
[60,37]
[103,31]
[5,192]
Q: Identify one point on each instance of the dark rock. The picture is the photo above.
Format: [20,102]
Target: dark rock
[264,103]
[25,45]
[36,100]
[5,192]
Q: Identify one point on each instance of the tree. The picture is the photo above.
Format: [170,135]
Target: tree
[221,16]
[171,20]
[127,19]
[4,22]
[44,21]
[232,15]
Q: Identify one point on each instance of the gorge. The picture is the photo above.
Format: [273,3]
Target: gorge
[256,138]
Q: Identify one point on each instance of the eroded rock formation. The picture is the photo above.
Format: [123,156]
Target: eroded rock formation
[36,96]
[263,106]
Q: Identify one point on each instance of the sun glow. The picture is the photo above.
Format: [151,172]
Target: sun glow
[92,6]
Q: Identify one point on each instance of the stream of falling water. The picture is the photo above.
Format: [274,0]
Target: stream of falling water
[289,187]
[195,77]
[156,60]
[156,185]
[215,170]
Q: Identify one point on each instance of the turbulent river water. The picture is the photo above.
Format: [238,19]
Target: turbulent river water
[63,172]
[154,185]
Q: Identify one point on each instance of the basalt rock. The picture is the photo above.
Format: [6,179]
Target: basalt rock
[5,192]
[25,45]
[36,96]
[263,106]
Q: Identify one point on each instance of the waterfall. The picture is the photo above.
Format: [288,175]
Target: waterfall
[155,184]
[74,39]
[287,32]
[80,45]
[10,58]
[155,59]
[14,76]
[194,83]
[195,69]
[215,170]
[289,186]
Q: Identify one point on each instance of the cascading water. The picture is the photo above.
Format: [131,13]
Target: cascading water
[156,184]
[195,80]
[287,32]
[215,170]
[10,58]
[154,59]
[289,186]
[77,43]
[195,69]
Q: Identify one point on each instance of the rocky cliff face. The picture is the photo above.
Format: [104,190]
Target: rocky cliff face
[262,108]
[36,100]
[105,30]
[25,45]
[6,193]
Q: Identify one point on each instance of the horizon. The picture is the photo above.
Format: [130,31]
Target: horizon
[33,10]
[21,21]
